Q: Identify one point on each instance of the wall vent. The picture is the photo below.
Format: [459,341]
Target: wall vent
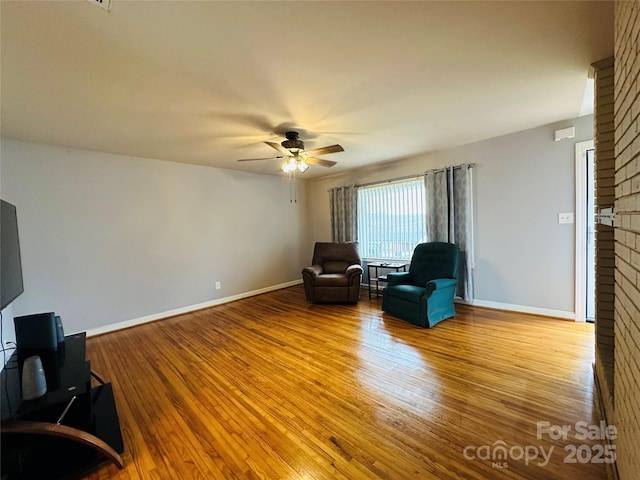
[565,133]
[102,3]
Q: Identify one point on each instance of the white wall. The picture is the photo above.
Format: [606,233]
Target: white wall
[521,182]
[108,238]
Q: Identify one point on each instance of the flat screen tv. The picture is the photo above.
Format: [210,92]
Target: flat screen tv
[11,274]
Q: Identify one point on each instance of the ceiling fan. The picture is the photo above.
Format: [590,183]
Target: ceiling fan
[297,158]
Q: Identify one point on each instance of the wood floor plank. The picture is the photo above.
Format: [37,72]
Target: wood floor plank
[274,387]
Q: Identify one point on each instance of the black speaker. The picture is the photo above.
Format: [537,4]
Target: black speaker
[59,330]
[34,382]
[36,333]
[41,335]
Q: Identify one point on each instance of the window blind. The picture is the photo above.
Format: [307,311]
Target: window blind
[391,219]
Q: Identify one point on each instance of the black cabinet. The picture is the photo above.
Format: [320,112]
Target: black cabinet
[71,428]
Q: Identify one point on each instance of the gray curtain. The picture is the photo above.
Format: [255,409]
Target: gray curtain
[449,217]
[344,216]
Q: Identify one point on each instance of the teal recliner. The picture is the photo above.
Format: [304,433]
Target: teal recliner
[424,294]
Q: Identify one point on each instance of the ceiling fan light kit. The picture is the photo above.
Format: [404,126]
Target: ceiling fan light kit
[295,163]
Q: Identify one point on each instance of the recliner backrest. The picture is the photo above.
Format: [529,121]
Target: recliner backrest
[335,257]
[433,260]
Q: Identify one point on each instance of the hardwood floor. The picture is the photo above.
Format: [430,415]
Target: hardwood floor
[272,387]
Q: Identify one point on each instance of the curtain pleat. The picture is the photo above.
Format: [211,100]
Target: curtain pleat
[449,217]
[344,214]
[437,211]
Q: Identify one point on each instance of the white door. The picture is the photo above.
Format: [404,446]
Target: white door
[585,232]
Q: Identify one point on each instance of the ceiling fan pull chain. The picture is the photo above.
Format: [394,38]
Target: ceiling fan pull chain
[293,191]
[290,188]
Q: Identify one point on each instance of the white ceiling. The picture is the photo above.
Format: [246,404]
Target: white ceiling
[207,82]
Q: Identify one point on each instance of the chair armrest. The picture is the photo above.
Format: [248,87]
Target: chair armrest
[353,270]
[313,271]
[439,283]
[398,278]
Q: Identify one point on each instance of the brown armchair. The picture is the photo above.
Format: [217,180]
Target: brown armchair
[335,274]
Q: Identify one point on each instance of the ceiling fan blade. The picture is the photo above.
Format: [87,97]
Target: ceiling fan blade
[319,161]
[280,148]
[325,150]
[267,158]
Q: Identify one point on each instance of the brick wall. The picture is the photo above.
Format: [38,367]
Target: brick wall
[627,237]
[605,256]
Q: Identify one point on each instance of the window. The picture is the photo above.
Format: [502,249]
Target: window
[391,219]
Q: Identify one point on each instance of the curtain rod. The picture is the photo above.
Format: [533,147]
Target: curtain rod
[406,177]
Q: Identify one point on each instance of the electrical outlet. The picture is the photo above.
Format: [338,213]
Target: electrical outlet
[565,217]
[218,286]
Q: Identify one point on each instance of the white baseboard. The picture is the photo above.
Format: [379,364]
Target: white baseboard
[521,308]
[178,311]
